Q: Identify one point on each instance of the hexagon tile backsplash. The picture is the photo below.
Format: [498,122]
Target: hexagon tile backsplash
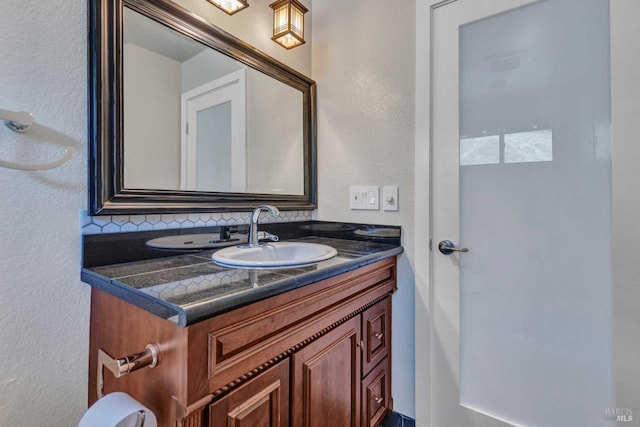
[126,223]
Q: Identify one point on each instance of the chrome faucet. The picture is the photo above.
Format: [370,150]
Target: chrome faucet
[252,239]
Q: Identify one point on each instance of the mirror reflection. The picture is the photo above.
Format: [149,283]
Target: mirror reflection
[197,120]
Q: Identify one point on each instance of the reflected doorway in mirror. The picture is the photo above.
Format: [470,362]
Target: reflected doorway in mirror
[213,130]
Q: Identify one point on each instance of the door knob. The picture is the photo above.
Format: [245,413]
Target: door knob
[447,247]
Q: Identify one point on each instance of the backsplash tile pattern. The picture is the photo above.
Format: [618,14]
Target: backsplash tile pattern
[126,223]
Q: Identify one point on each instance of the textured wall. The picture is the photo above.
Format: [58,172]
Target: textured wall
[363,62]
[44,308]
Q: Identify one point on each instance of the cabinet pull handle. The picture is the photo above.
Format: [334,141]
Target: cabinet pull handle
[378,400]
[360,344]
[379,335]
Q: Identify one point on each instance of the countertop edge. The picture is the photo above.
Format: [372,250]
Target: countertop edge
[189,314]
[133,296]
[202,310]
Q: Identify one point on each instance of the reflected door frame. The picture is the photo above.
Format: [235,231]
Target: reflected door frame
[230,88]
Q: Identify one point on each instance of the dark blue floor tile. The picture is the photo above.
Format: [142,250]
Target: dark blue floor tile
[392,420]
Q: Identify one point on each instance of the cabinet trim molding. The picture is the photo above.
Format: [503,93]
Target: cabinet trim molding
[293,349]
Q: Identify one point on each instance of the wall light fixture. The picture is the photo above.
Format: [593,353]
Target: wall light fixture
[288,23]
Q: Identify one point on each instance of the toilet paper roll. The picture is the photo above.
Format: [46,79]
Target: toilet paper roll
[117,410]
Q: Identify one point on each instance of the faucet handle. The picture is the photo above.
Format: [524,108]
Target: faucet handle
[225,233]
[263,235]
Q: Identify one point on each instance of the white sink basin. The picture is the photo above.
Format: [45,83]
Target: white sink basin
[280,254]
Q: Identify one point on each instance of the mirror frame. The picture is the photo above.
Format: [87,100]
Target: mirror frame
[107,195]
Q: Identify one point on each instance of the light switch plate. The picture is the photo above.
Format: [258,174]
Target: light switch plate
[364,197]
[390,198]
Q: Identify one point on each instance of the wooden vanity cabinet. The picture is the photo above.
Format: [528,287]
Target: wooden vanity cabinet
[314,356]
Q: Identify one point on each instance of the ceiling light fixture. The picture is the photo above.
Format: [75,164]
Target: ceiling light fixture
[230,6]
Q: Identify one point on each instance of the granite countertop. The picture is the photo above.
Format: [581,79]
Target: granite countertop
[189,287]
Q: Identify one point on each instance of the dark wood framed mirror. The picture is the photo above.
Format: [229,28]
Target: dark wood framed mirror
[254,146]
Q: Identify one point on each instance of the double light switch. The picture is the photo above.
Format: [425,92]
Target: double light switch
[364,197]
[368,198]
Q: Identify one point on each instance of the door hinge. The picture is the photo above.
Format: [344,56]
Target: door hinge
[187,128]
[430,245]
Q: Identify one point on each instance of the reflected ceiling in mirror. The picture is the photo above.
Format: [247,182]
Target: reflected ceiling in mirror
[192,119]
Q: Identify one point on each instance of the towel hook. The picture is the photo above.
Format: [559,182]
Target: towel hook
[21,121]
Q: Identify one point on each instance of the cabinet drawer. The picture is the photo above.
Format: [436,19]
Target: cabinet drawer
[376,393]
[376,331]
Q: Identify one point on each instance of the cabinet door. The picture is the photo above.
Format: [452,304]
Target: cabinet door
[326,379]
[262,402]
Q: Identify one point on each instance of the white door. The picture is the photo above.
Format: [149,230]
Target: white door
[213,148]
[523,323]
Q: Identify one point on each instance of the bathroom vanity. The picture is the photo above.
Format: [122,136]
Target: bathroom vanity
[306,346]
[302,346]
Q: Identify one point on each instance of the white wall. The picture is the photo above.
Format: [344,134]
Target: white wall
[274,141]
[363,63]
[422,215]
[152,89]
[44,308]
[625,110]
